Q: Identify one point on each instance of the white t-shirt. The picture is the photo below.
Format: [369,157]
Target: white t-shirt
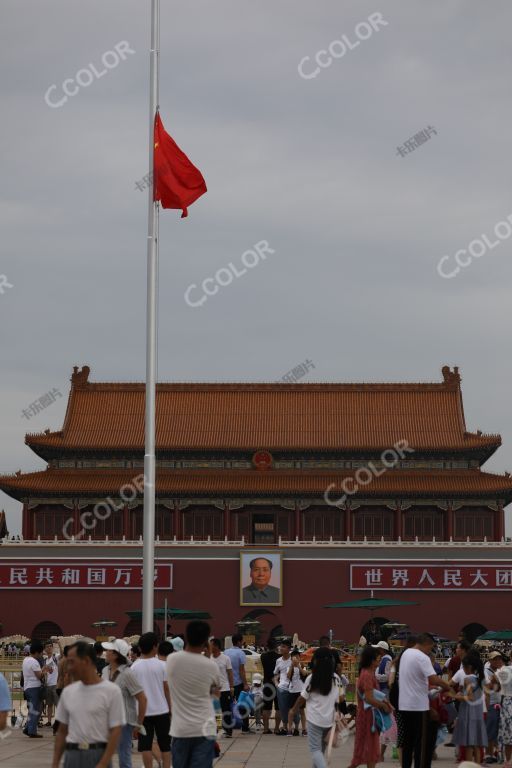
[51,677]
[224,663]
[191,677]
[29,666]
[281,669]
[414,671]
[320,709]
[151,675]
[459,677]
[90,711]
[296,683]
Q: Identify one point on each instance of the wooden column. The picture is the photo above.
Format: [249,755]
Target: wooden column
[178,529]
[26,528]
[348,522]
[397,522]
[448,527]
[76,518]
[227,521]
[126,523]
[499,523]
[298,527]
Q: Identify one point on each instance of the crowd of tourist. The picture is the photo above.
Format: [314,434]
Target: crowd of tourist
[170,697]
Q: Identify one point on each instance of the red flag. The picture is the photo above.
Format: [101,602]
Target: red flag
[177,183]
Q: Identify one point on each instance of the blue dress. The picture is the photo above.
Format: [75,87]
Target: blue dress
[470,728]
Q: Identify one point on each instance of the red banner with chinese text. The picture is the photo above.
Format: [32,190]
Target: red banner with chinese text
[46,574]
[468,576]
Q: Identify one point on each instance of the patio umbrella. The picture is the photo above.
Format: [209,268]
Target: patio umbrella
[371,603]
[102,623]
[500,634]
[187,614]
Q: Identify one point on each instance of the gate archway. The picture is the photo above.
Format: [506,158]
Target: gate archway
[46,629]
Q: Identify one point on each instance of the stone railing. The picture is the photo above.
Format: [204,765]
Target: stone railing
[242,543]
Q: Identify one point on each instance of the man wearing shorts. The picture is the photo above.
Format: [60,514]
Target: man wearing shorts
[52,674]
[268,662]
[150,672]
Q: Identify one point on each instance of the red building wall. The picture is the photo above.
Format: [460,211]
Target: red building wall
[213,585]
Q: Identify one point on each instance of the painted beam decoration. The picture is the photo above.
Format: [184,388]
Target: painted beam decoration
[456,577]
[46,574]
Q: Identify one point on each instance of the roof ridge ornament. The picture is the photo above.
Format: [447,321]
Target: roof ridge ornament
[451,378]
[80,376]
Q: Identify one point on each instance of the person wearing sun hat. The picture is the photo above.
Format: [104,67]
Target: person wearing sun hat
[134,699]
[178,643]
[384,668]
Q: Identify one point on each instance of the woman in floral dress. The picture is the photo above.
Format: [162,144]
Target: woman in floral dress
[367,743]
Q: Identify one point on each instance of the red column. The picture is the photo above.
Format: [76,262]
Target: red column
[348,523]
[126,523]
[26,528]
[298,532]
[177,524]
[449,523]
[76,518]
[499,525]
[227,521]
[397,529]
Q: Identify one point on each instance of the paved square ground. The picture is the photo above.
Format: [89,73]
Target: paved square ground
[251,751]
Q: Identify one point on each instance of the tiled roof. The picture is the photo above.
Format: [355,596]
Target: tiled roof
[248,417]
[170,482]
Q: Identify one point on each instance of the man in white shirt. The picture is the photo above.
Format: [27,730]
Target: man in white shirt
[90,714]
[282,681]
[33,671]
[227,686]
[52,663]
[416,673]
[150,672]
[193,678]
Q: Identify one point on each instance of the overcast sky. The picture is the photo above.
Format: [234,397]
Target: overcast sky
[309,165]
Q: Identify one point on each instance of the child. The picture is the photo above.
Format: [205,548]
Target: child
[470,731]
[257,692]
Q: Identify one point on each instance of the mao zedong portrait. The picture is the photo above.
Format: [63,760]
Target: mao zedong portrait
[259,590]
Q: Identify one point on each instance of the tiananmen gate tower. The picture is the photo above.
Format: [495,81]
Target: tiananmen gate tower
[342,488]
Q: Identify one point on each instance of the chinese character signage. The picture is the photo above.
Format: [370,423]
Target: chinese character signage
[73,575]
[495,577]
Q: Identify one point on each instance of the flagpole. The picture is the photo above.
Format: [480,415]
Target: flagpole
[151,346]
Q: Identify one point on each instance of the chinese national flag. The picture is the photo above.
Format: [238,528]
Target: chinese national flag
[176,182]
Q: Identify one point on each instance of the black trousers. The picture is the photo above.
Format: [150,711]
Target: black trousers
[245,720]
[227,717]
[420,734]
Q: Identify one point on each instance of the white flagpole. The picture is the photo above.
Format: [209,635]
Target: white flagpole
[151,345]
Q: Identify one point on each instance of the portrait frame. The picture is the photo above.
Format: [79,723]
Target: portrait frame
[276,580]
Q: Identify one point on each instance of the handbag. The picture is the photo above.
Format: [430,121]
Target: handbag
[245,703]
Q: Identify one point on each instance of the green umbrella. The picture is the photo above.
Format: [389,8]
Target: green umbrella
[371,603]
[500,634]
[173,613]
